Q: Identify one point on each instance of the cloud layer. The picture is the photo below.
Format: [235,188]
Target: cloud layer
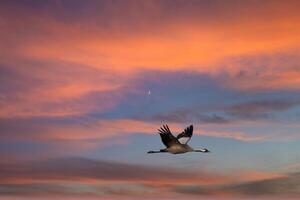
[60,176]
[75,77]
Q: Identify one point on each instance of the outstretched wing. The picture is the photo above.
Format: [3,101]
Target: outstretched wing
[186,135]
[166,136]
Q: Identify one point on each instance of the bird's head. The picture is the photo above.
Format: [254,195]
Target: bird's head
[206,151]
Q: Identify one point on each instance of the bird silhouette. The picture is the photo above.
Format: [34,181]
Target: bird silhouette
[176,145]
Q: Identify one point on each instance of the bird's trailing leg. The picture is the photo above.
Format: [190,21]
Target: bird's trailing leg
[160,151]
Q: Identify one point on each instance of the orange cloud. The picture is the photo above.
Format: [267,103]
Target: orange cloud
[173,46]
[67,175]
[187,42]
[57,89]
[90,128]
[86,171]
[249,176]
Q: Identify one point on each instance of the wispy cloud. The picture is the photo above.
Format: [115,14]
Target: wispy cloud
[286,186]
[260,109]
[78,129]
[57,89]
[61,176]
[189,116]
[87,170]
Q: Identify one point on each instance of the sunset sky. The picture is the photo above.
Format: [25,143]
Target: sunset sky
[76,118]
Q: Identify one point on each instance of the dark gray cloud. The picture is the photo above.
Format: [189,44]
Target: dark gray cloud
[283,186]
[75,168]
[70,189]
[253,110]
[260,109]
[48,176]
[75,175]
[280,186]
[34,189]
[189,116]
